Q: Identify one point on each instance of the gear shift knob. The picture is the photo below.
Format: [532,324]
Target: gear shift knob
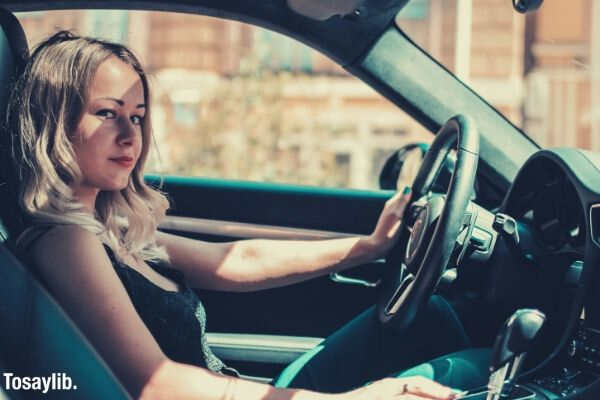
[512,343]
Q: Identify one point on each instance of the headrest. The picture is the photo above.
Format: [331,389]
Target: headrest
[15,50]
[13,56]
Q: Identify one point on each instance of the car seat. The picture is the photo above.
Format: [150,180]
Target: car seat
[37,338]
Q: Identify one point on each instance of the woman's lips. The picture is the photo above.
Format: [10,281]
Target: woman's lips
[123,161]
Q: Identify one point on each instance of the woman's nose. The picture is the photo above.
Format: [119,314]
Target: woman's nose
[127,132]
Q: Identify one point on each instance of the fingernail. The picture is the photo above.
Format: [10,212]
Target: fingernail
[406,190]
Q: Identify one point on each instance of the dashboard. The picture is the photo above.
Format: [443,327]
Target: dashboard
[546,201]
[555,201]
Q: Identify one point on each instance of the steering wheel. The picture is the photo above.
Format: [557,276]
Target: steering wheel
[430,225]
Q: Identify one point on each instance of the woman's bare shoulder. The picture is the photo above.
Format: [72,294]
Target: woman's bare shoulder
[72,238]
[69,254]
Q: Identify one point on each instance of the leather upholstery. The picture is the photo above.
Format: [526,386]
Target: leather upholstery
[13,56]
[38,339]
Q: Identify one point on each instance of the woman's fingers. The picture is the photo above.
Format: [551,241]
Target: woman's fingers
[412,388]
[415,388]
[399,201]
[421,388]
[390,220]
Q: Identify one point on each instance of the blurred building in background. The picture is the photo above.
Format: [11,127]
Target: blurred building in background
[562,107]
[236,101]
[541,70]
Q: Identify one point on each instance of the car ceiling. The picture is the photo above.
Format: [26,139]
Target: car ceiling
[343,39]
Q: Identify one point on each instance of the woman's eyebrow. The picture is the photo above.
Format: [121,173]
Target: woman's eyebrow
[121,102]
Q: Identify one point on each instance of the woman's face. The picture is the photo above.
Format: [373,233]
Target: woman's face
[108,139]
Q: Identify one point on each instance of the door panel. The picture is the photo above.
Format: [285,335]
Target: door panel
[218,210]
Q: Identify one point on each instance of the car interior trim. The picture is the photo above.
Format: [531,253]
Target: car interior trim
[259,379]
[595,223]
[245,230]
[339,278]
[276,349]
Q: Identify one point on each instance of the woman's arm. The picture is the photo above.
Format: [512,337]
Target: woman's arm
[178,381]
[249,265]
[77,271]
[173,381]
[255,264]
[74,265]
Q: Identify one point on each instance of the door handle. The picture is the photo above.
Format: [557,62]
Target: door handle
[337,278]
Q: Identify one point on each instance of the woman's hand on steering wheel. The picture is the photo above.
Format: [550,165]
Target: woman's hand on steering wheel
[387,230]
[410,388]
[413,275]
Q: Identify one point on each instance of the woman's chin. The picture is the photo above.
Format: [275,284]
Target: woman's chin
[116,186]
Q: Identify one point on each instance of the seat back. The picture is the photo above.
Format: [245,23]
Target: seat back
[13,56]
[37,339]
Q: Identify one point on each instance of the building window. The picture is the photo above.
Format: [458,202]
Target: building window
[341,171]
[396,131]
[282,53]
[185,113]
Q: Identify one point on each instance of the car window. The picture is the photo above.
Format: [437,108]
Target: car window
[235,101]
[541,70]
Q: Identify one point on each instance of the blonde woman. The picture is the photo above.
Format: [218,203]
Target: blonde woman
[80,118]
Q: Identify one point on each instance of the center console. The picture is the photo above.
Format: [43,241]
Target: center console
[575,368]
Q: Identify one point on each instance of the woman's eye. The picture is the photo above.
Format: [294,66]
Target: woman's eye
[137,119]
[105,113]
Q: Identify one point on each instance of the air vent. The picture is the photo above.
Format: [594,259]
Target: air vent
[595,223]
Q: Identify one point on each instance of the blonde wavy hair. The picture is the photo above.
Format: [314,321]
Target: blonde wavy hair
[44,110]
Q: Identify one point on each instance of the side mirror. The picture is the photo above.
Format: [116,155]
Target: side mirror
[401,168]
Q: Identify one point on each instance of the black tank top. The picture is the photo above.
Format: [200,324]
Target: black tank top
[177,320]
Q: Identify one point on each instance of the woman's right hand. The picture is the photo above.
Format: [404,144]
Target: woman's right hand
[410,388]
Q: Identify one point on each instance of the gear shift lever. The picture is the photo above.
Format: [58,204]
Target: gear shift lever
[512,344]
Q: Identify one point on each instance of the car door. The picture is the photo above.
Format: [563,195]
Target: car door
[223,210]
[286,145]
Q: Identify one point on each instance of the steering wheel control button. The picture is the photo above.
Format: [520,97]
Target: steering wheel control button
[396,300]
[470,219]
[416,235]
[414,214]
[481,240]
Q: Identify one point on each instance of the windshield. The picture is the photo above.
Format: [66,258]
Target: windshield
[541,69]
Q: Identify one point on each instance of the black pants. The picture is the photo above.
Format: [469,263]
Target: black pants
[363,351]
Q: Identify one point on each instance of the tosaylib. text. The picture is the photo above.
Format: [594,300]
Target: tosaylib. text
[56,381]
